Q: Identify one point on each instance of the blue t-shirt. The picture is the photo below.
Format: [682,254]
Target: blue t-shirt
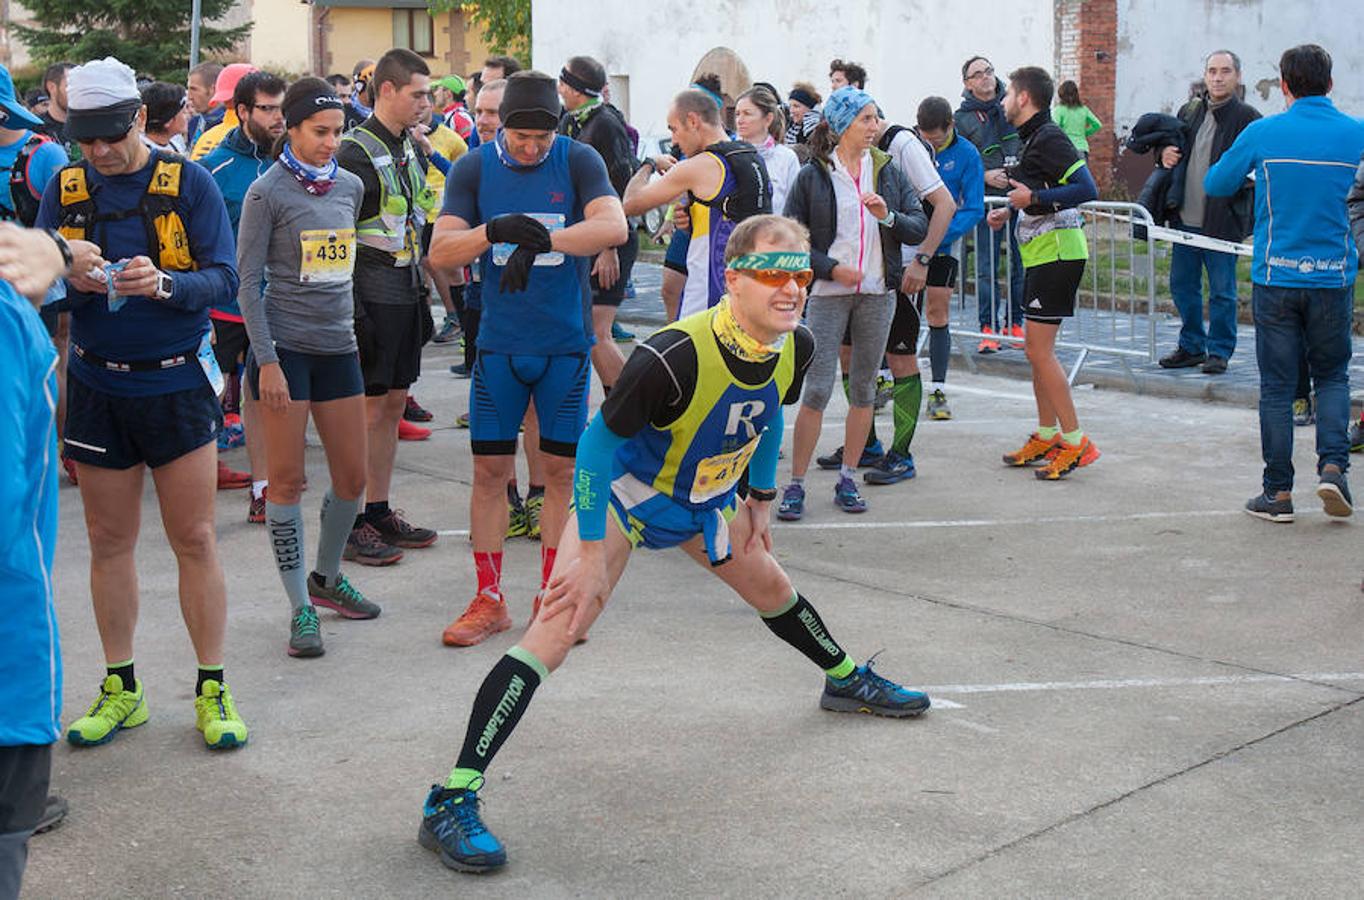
[554,314]
[45,161]
[147,329]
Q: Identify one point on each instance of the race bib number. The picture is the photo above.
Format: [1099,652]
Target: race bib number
[553,222]
[717,474]
[328,255]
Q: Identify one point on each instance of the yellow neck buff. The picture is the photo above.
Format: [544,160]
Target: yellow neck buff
[733,338]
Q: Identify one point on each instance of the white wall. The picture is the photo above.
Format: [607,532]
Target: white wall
[910,48]
[1162,44]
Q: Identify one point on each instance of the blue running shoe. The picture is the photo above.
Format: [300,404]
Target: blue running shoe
[620,335]
[847,498]
[892,468]
[452,828]
[792,505]
[866,692]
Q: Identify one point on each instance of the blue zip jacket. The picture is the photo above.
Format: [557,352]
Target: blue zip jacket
[235,164]
[963,174]
[1303,161]
[30,657]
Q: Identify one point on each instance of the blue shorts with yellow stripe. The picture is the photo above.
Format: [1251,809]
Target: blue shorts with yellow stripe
[650,519]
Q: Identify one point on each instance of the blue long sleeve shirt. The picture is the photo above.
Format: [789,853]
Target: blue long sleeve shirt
[1303,161]
[144,328]
[235,164]
[963,174]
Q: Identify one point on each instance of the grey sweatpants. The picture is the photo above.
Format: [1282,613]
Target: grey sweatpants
[868,318]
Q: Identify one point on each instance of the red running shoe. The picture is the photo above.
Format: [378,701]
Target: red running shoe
[415,412]
[231,479]
[409,432]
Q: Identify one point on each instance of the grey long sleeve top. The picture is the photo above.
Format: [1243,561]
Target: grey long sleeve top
[303,247]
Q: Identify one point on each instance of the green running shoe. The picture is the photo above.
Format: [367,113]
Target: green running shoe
[305,636]
[535,506]
[216,716]
[341,597]
[113,710]
[516,518]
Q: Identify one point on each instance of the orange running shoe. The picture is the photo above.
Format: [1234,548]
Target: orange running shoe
[987,345]
[1035,449]
[410,432]
[1016,331]
[485,617]
[231,479]
[1069,458]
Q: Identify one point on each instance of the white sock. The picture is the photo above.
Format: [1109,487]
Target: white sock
[938,385]
[258,489]
[847,471]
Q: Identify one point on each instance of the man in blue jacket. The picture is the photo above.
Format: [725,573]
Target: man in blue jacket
[1303,274]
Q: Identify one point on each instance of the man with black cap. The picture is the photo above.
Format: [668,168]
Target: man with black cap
[167,116]
[533,207]
[143,387]
[589,118]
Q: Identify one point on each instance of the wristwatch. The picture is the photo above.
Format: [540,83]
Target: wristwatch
[763,496]
[922,259]
[649,161]
[164,286]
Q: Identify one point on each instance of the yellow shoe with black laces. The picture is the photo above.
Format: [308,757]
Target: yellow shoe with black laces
[216,716]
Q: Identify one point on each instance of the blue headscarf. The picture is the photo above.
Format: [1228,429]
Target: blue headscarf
[843,106]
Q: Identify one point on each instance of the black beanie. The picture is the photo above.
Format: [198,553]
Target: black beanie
[530,101]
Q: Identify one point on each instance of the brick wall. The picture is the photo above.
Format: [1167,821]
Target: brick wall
[1087,51]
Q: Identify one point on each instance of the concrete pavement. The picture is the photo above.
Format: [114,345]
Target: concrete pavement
[1140,692]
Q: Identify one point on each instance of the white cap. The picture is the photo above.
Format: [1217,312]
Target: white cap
[99,84]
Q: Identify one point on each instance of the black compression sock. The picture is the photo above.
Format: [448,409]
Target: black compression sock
[207,673]
[498,706]
[513,492]
[376,511]
[535,490]
[123,670]
[800,626]
[939,351]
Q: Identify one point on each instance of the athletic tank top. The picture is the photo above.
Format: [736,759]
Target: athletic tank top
[745,191]
[698,458]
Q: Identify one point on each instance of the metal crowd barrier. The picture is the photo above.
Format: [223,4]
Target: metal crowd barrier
[1115,306]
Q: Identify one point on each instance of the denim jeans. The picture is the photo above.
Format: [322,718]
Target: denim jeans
[988,252]
[1186,286]
[1285,318]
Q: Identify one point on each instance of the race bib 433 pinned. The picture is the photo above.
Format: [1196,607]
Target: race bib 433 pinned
[328,255]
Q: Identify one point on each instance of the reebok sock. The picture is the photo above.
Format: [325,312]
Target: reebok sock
[939,352]
[285,522]
[908,395]
[498,706]
[799,625]
[337,515]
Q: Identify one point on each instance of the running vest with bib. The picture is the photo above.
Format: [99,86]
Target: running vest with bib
[697,459]
[165,229]
[553,314]
[405,204]
[21,189]
[745,191]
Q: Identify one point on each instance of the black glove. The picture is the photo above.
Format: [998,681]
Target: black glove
[516,272]
[521,230]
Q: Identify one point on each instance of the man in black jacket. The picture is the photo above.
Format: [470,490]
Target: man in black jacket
[1229,218]
[590,119]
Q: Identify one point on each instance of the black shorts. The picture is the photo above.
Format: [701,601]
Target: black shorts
[942,270]
[25,772]
[904,328]
[115,432]
[627,253]
[390,338]
[230,343]
[51,315]
[1049,290]
[312,377]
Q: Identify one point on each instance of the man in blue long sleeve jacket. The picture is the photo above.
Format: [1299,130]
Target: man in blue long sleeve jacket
[1303,162]
[143,385]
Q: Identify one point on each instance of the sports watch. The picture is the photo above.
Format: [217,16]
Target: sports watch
[164,286]
[922,259]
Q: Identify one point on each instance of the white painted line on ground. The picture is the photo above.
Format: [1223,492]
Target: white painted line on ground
[1108,684]
[992,523]
[453,532]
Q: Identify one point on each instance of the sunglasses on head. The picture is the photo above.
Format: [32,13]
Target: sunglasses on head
[777,278]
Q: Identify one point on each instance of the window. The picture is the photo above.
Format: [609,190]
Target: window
[412,30]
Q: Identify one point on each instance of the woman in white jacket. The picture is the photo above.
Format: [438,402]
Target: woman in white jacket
[758,119]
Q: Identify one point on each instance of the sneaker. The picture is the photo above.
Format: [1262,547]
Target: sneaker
[231,479]
[1182,359]
[870,457]
[1068,458]
[1303,412]
[620,335]
[516,517]
[230,437]
[396,531]
[305,634]
[255,510]
[792,505]
[937,406]
[414,411]
[216,716]
[449,331]
[462,420]
[485,616]
[630,289]
[847,498]
[1215,365]
[1016,331]
[460,369]
[54,813]
[113,710]
[535,507]
[1334,492]
[452,827]
[892,468]
[987,345]
[341,597]
[885,391]
[410,432]
[366,547]
[1037,448]
[1271,509]
[1356,438]
[866,692]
